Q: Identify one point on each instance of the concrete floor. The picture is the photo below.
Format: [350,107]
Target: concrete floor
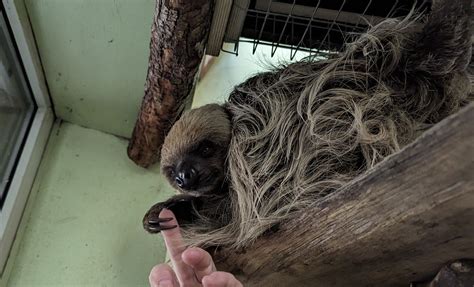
[84,226]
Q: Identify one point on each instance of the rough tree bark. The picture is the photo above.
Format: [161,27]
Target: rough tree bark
[178,38]
[397,224]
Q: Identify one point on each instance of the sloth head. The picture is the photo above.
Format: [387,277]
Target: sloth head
[194,152]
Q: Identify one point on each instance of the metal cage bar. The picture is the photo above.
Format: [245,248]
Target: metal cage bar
[318,27]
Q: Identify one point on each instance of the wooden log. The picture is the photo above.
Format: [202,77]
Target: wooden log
[178,38]
[397,224]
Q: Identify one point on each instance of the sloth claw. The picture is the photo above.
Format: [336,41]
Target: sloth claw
[180,205]
[155,225]
[159,220]
[153,228]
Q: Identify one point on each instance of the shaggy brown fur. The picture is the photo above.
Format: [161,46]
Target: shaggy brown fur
[304,130]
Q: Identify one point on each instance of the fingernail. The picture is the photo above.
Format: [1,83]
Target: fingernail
[165,283]
[193,252]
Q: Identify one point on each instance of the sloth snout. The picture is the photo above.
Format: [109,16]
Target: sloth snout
[186,177]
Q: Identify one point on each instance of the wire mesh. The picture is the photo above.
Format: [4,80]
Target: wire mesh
[322,31]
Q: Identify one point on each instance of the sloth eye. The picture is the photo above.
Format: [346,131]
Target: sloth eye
[206,149]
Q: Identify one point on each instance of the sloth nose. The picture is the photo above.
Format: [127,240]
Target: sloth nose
[186,178]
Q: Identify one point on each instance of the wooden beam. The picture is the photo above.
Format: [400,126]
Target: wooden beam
[236,20]
[399,223]
[219,22]
[178,38]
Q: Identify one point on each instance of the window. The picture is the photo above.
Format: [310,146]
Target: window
[16,108]
[26,119]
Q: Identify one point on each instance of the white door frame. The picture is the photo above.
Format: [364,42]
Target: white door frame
[29,160]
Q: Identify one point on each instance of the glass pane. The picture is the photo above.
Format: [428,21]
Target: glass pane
[16,107]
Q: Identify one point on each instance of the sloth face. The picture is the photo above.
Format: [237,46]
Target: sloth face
[194,152]
[200,169]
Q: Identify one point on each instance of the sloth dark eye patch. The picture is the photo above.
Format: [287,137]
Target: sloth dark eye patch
[204,148]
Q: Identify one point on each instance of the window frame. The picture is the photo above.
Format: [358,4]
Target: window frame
[38,134]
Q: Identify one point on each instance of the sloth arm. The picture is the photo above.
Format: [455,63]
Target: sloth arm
[189,210]
[185,208]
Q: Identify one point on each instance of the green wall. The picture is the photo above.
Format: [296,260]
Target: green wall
[94,54]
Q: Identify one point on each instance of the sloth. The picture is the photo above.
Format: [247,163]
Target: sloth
[287,138]
[193,161]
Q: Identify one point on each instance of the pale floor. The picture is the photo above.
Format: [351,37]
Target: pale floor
[84,227]
[82,224]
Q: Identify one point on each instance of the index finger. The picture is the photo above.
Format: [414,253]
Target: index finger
[175,246]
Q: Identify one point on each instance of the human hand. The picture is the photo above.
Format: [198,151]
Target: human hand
[192,266]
